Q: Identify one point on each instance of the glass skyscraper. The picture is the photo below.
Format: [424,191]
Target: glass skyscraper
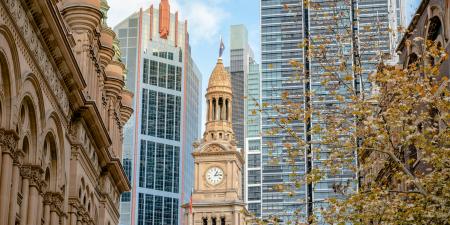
[253,139]
[240,56]
[166,82]
[245,80]
[285,24]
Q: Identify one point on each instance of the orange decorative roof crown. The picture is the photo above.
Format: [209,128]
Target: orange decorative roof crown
[164,19]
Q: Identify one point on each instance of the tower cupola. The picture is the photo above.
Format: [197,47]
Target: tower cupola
[219,97]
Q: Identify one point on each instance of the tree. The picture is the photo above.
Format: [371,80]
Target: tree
[389,127]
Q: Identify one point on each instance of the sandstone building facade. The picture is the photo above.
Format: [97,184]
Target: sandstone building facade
[217,197]
[430,23]
[62,108]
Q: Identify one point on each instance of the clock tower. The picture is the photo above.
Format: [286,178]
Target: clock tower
[217,194]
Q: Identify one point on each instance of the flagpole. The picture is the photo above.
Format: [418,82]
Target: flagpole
[221,48]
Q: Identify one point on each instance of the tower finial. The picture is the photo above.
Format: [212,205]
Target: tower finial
[222,47]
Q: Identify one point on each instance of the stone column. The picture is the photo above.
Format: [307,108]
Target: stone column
[222,110]
[34,173]
[208,115]
[53,202]
[46,213]
[236,217]
[25,195]
[40,209]
[190,219]
[73,218]
[5,188]
[54,218]
[216,116]
[1,150]
[14,191]
[32,203]
[72,214]
[8,149]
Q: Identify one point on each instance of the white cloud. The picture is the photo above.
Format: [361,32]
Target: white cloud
[204,20]
[205,17]
[121,9]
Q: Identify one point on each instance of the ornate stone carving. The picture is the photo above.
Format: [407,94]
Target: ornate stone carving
[214,148]
[73,131]
[52,76]
[34,174]
[196,143]
[17,157]
[55,200]
[8,141]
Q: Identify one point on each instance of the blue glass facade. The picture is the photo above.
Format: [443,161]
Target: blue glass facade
[253,140]
[284,25]
[281,33]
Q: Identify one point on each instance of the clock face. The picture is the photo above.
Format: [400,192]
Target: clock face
[214,175]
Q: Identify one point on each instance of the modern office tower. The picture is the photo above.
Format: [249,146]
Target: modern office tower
[398,25]
[166,82]
[399,7]
[253,139]
[285,24]
[240,56]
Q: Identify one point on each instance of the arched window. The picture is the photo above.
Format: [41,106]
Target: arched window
[205,221]
[6,90]
[214,221]
[412,60]
[25,145]
[213,116]
[221,109]
[434,28]
[208,117]
[222,221]
[49,153]
[27,129]
[226,110]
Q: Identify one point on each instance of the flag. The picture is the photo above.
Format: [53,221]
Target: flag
[222,47]
[190,204]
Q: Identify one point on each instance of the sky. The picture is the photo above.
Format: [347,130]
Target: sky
[208,20]
[411,8]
